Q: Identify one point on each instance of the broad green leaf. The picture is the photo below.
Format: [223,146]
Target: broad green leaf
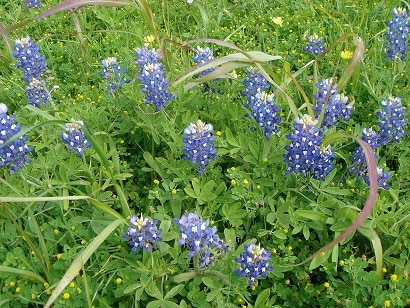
[262,299]
[311,215]
[153,291]
[318,260]
[231,139]
[174,291]
[153,164]
[81,259]
[211,295]
[230,237]
[280,234]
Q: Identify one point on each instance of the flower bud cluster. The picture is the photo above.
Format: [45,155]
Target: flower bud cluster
[152,76]
[34,66]
[12,155]
[199,148]
[306,154]
[202,57]
[254,262]
[337,107]
[315,46]
[397,33]
[74,137]
[198,237]
[143,233]
[113,74]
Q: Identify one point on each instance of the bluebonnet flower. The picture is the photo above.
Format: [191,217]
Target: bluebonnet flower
[254,262]
[336,104]
[306,154]
[198,237]
[359,165]
[315,45]
[143,233]
[37,94]
[254,83]
[391,122]
[29,59]
[33,4]
[152,76]
[13,155]
[264,111]
[113,74]
[74,137]
[199,148]
[396,35]
[202,57]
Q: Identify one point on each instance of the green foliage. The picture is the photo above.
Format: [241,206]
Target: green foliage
[62,216]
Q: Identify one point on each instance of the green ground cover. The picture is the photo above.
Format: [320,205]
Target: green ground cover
[63,216]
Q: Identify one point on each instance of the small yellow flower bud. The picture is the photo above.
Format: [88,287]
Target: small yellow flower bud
[18,290]
[346,54]
[341,263]
[72,284]
[56,231]
[156,182]
[245,181]
[287,281]
[233,182]
[12,284]
[393,277]
[326,285]
[66,295]
[118,280]
[218,133]
[278,21]
[83,242]
[265,160]
[386,303]
[174,191]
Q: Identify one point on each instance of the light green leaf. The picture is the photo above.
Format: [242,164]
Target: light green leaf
[311,215]
[174,291]
[262,299]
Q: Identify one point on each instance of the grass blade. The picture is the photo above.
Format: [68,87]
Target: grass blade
[81,259]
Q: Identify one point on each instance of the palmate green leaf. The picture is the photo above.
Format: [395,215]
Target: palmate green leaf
[21,273]
[81,259]
[72,4]
[234,213]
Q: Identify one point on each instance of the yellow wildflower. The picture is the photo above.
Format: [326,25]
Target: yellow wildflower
[346,54]
[278,21]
